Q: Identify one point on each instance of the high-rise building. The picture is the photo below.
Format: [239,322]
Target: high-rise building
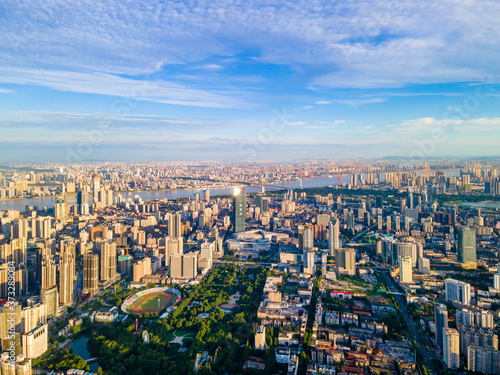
[309,263]
[35,342]
[457,291]
[260,338]
[107,259]
[60,209]
[47,269]
[141,268]
[496,279]
[483,360]
[207,251]
[66,273]
[190,265]
[50,297]
[351,222]
[82,197]
[307,238]
[239,210]
[96,185]
[346,261]
[405,269]
[91,273]
[441,322]
[466,244]
[333,236]
[206,195]
[32,316]
[10,316]
[174,225]
[42,227]
[424,266]
[451,348]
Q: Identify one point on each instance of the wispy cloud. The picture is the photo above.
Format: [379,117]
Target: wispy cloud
[151,89]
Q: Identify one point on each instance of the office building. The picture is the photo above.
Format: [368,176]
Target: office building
[466,244]
[239,210]
[451,348]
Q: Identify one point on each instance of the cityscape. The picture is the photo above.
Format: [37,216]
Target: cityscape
[250,187]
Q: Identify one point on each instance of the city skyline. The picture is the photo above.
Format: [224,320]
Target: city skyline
[248,82]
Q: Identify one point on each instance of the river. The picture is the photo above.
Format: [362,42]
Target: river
[21,203]
[40,202]
[79,347]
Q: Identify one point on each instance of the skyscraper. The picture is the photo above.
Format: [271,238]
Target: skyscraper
[82,197]
[466,244]
[91,273]
[405,269]
[451,348]
[441,322]
[107,259]
[206,195]
[457,291]
[174,225]
[333,236]
[346,261]
[239,209]
[66,273]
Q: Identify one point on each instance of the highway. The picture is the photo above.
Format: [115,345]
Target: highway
[428,355]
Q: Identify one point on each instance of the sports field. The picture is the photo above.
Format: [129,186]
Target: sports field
[149,303]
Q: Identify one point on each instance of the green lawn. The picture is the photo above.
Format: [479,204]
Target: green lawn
[150,302]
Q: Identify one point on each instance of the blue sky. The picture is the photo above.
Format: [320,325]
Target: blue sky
[248,80]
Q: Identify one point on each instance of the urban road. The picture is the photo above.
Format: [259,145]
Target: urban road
[428,355]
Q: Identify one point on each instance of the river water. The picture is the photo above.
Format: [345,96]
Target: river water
[20,204]
[79,347]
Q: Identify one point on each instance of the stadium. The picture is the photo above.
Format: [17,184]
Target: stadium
[150,300]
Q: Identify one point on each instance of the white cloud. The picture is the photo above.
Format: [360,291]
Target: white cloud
[358,43]
[150,89]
